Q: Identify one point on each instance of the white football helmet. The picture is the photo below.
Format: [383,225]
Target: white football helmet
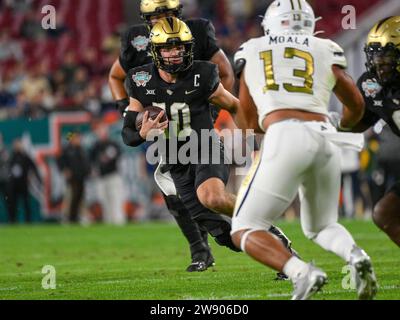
[289,17]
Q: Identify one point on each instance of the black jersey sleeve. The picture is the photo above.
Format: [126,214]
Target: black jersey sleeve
[205,40]
[213,79]
[211,46]
[370,118]
[127,52]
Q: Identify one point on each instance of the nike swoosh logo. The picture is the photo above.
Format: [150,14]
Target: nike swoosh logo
[190,92]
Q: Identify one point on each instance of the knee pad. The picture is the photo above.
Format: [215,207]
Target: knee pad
[219,227]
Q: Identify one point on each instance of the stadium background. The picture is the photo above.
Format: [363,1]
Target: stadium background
[54,82]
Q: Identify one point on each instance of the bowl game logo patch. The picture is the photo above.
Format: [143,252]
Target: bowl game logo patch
[371,88]
[141,78]
[140,43]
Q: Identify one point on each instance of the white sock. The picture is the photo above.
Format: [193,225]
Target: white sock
[295,268]
[337,239]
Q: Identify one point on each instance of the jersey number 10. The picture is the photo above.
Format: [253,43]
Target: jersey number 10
[306,74]
[180,116]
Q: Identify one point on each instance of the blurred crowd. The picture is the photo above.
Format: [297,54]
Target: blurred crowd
[236,21]
[32,86]
[34,92]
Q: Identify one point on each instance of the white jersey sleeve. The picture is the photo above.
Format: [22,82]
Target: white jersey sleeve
[337,54]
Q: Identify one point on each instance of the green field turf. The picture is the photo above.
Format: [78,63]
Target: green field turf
[148,261]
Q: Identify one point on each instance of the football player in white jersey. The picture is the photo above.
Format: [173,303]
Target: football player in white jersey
[286,79]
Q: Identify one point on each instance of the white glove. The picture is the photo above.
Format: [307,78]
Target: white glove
[335,118]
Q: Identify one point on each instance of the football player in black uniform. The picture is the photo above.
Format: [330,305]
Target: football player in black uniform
[184,89]
[380,87]
[135,51]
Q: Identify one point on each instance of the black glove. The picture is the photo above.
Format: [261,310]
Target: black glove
[121,105]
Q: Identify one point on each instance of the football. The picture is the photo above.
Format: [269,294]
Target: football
[153,113]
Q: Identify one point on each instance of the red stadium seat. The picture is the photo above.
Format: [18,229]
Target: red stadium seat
[330,11]
[98,19]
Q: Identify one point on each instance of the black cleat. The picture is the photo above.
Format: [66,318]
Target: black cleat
[280,276]
[197,266]
[201,263]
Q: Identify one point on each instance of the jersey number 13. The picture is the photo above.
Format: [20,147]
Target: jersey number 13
[306,74]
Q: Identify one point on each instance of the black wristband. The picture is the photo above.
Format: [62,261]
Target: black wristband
[121,105]
[130,135]
[132,138]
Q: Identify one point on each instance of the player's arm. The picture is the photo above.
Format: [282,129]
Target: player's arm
[212,52]
[119,71]
[130,135]
[224,99]
[353,102]
[225,70]
[116,80]
[135,105]
[360,127]
[369,119]
[247,116]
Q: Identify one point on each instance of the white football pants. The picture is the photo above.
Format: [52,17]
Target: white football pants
[296,157]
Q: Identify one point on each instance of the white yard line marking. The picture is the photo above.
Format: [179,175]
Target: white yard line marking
[9,289]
